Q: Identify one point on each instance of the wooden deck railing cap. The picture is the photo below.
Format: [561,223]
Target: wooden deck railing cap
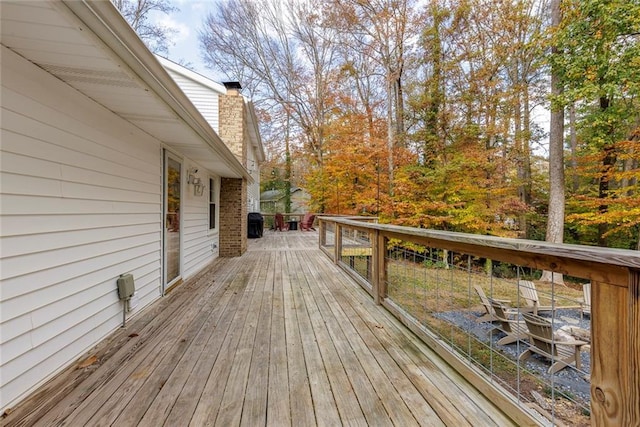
[614,257]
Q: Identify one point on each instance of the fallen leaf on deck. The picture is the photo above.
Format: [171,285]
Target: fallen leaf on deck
[88,362]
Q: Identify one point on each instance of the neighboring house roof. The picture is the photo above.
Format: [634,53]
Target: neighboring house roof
[91,47]
[271,195]
[276,195]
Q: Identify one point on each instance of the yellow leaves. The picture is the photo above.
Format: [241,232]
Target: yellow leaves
[591,73]
[618,221]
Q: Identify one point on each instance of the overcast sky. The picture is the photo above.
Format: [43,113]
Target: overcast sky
[188,22]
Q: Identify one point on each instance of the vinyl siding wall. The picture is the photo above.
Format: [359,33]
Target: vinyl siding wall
[203,98]
[253,190]
[200,246]
[81,203]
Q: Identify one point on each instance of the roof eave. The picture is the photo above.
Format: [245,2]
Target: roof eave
[111,28]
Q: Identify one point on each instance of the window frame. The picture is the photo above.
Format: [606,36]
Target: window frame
[213,203]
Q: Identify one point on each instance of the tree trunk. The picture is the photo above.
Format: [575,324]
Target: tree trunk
[555,220]
[526,147]
[390,134]
[287,170]
[573,141]
[520,162]
[399,107]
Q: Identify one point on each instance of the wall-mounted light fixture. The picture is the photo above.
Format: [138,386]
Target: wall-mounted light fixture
[198,186]
[191,175]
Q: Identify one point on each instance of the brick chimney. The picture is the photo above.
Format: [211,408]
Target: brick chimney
[233,191]
[231,121]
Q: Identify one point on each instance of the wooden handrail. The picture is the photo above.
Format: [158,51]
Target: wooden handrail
[615,310]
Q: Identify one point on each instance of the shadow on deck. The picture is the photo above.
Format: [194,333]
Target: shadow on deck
[279,336]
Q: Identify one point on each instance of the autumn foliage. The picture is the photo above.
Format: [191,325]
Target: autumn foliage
[434,114]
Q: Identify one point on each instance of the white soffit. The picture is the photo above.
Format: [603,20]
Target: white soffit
[89,46]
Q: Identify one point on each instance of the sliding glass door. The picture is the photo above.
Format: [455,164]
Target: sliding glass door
[172,222]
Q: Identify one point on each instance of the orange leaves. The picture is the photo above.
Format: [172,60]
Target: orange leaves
[462,194]
[352,179]
[616,210]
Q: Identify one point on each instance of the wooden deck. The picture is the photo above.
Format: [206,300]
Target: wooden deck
[279,336]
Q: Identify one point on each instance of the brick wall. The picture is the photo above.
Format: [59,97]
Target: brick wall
[231,124]
[233,217]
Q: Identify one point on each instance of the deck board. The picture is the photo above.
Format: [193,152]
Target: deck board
[313,345]
[362,375]
[278,337]
[407,405]
[278,402]
[299,383]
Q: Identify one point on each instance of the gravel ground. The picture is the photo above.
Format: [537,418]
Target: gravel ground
[568,379]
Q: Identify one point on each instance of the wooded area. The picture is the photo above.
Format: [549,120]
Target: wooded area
[435,113]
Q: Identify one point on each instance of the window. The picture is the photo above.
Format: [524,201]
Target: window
[212,203]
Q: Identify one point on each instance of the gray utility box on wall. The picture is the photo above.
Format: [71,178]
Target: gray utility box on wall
[126,287]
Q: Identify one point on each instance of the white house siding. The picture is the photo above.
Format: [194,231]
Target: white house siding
[81,204]
[81,198]
[202,97]
[200,247]
[253,190]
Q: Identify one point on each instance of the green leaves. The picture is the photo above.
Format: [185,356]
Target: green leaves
[599,47]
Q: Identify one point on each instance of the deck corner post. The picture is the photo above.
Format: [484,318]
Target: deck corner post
[632,401]
[615,353]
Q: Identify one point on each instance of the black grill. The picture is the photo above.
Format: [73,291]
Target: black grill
[256,225]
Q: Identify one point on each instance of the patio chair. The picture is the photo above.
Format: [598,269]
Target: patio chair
[280,224]
[542,341]
[307,222]
[586,299]
[513,328]
[489,315]
[530,296]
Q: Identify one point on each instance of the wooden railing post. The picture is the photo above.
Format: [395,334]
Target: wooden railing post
[379,267]
[322,233]
[375,271]
[338,243]
[615,353]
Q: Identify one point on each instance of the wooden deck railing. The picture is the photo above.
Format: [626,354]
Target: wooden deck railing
[615,284]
